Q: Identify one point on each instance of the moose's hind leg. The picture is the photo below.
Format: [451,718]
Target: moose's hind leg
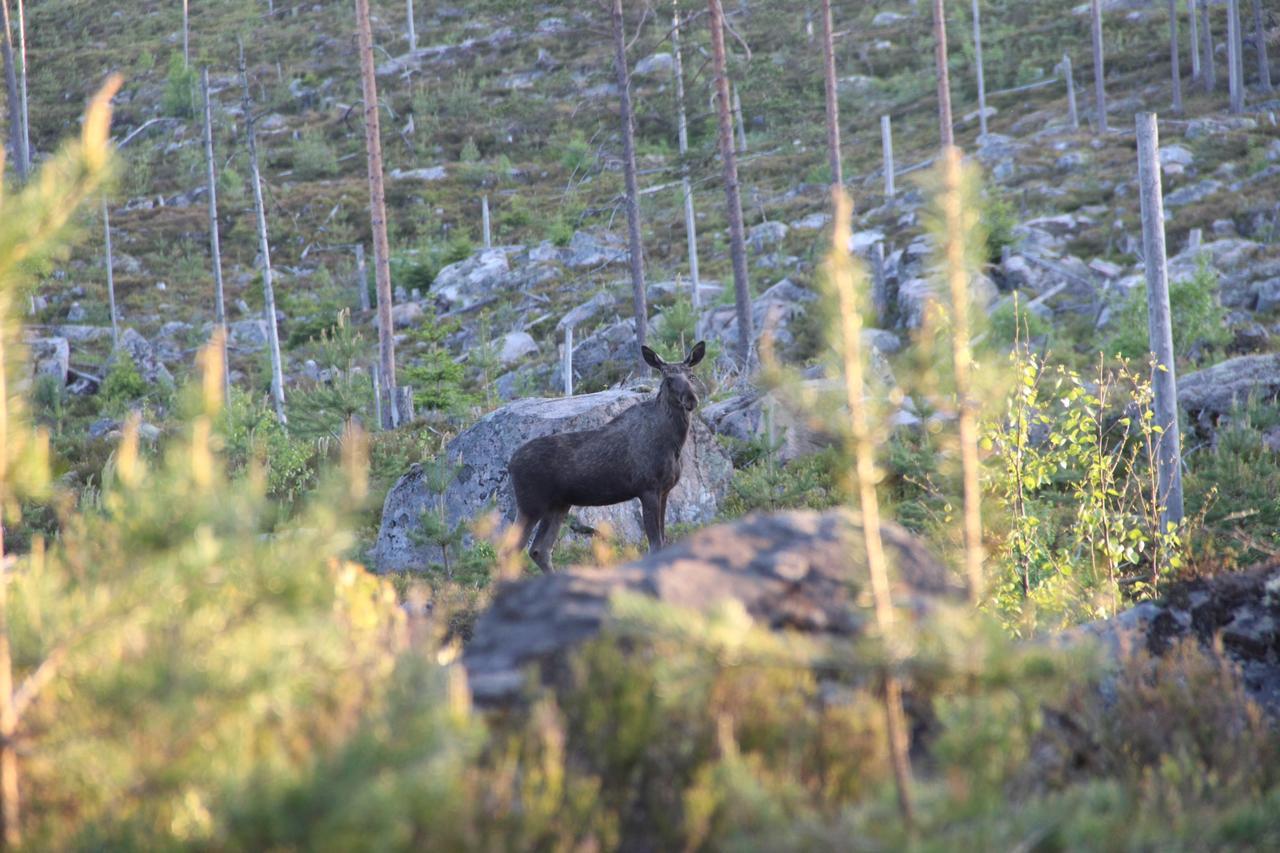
[544,541]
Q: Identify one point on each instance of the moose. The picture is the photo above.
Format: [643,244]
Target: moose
[635,455]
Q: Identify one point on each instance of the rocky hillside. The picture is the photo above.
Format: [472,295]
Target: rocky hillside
[516,102]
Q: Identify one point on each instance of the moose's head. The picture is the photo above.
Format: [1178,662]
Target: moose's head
[677,377]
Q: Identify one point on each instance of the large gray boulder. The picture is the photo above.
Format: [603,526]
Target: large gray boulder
[50,357]
[801,571]
[467,281]
[482,453]
[1216,390]
[772,314]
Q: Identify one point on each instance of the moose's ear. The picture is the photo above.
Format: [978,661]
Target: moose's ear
[696,354]
[651,358]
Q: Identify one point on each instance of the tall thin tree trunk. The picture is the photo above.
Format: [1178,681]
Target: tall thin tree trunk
[377,210]
[411,28]
[25,153]
[10,810]
[486,232]
[634,240]
[1099,71]
[17,140]
[1175,61]
[886,146]
[682,129]
[737,118]
[945,126]
[833,101]
[215,245]
[977,57]
[733,198]
[1260,42]
[186,35]
[1193,16]
[1209,68]
[1235,61]
[111,281]
[1159,322]
[264,248]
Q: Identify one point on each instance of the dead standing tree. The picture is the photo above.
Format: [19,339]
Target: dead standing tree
[682,129]
[1099,72]
[1175,61]
[264,249]
[215,245]
[1160,325]
[1260,44]
[634,238]
[377,215]
[833,101]
[944,76]
[733,197]
[977,60]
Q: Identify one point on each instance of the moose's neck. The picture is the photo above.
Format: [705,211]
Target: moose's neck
[672,415]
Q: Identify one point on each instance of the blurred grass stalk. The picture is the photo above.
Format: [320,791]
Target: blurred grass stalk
[959,221]
[848,282]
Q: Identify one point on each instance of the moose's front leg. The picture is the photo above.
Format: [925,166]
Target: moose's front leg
[649,504]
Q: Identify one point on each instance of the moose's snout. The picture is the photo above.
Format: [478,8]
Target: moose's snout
[689,401]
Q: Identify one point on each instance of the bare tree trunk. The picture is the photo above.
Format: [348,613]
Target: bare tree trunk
[17,139]
[1209,68]
[411,29]
[377,210]
[264,248]
[25,153]
[945,126]
[682,127]
[1193,16]
[840,266]
[362,278]
[486,233]
[1175,60]
[1099,71]
[111,282]
[833,102]
[1260,43]
[635,242]
[1160,323]
[886,145]
[186,35]
[567,361]
[737,118]
[1235,62]
[977,55]
[215,244]
[737,241]
[1073,114]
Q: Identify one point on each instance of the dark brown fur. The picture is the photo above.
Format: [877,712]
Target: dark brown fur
[636,455]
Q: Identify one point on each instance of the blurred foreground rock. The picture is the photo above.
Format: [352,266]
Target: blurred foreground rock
[802,570]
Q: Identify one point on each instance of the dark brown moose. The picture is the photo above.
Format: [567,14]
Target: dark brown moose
[635,455]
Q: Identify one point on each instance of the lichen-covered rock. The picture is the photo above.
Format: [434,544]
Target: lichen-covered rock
[482,452]
[1216,390]
[802,571]
[50,357]
[467,281]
